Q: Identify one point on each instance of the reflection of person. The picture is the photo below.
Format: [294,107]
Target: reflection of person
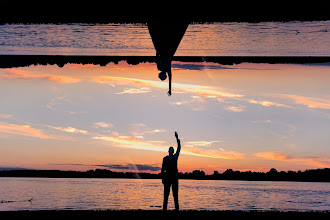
[164,65]
[166,38]
[170,174]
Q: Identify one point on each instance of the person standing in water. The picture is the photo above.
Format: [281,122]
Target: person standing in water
[169,174]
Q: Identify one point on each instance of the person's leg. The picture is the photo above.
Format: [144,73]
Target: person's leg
[167,188]
[175,190]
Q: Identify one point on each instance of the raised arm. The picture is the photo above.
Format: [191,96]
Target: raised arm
[169,83]
[177,153]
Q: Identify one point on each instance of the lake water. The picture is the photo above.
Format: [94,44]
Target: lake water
[89,194]
[216,39]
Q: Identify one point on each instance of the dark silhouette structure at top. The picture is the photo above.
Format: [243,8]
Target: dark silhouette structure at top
[166,38]
[170,175]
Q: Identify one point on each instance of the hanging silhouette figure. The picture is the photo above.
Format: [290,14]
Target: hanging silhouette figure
[169,174]
[166,38]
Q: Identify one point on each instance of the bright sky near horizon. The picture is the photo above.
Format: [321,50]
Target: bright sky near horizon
[244,117]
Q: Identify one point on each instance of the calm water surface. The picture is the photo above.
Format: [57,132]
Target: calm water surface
[87,194]
[217,39]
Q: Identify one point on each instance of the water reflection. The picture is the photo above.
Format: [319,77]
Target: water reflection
[215,39]
[166,38]
[86,194]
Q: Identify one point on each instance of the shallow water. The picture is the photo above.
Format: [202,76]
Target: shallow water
[88,194]
[217,39]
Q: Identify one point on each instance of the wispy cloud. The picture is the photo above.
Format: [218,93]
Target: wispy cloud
[138,130]
[102,124]
[130,142]
[310,102]
[198,103]
[6,116]
[24,130]
[200,143]
[10,74]
[69,129]
[311,160]
[267,103]
[130,166]
[57,101]
[205,91]
[135,90]
[235,108]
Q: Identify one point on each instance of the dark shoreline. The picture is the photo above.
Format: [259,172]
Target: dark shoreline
[12,61]
[136,214]
[318,175]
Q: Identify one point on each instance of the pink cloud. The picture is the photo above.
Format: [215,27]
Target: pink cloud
[24,130]
[11,74]
[311,160]
[310,102]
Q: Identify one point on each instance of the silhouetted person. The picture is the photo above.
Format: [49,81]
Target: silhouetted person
[170,174]
[166,38]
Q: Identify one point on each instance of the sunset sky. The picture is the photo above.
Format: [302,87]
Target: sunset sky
[119,117]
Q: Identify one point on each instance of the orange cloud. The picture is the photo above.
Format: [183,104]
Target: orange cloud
[205,91]
[311,160]
[69,129]
[25,130]
[130,142]
[310,101]
[267,103]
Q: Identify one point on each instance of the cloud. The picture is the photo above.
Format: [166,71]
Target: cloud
[310,102]
[69,129]
[198,103]
[205,91]
[135,91]
[129,166]
[13,168]
[10,74]
[57,101]
[137,167]
[102,124]
[235,108]
[311,160]
[140,129]
[24,130]
[194,66]
[267,103]
[131,142]
[6,116]
[199,143]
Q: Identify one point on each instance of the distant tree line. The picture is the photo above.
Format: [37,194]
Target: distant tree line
[316,175]
[13,61]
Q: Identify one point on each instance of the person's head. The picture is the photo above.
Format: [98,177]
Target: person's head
[162,75]
[171,151]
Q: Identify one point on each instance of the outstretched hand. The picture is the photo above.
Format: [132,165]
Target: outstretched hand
[176,135]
